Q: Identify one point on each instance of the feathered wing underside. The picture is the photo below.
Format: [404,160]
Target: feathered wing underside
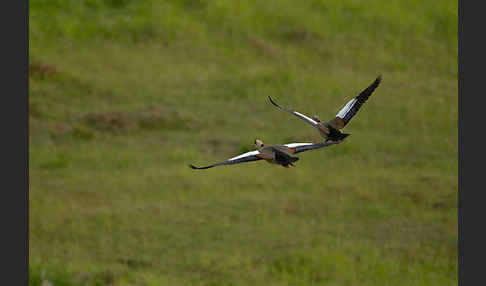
[302,147]
[247,154]
[300,115]
[293,145]
[352,107]
[246,157]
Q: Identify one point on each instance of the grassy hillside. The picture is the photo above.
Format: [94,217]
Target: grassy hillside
[125,94]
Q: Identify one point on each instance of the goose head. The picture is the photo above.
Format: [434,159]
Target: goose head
[259,144]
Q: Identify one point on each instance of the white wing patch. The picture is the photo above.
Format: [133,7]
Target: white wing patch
[346,108]
[251,153]
[292,145]
[247,154]
[310,120]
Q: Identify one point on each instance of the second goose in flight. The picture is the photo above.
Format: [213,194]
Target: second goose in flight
[331,130]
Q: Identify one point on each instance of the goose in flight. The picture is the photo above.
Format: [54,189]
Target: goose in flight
[331,130]
[275,154]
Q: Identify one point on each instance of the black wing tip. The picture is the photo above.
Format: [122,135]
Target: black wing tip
[363,95]
[273,102]
[344,136]
[378,79]
[201,168]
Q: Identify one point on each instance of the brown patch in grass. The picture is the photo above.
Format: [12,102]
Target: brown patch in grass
[300,35]
[148,119]
[62,128]
[265,48]
[134,263]
[59,130]
[108,120]
[42,70]
[414,196]
[291,209]
[35,109]
[154,118]
[438,205]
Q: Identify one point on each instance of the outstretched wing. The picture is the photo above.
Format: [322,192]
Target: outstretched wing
[246,157]
[352,107]
[302,147]
[300,115]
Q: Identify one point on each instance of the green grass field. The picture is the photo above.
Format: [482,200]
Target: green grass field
[125,94]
